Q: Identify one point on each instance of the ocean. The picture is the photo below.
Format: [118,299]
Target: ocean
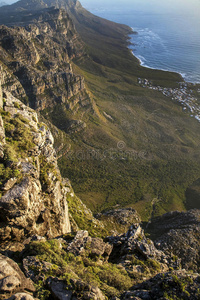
[168,33]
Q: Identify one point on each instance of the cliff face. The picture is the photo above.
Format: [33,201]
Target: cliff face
[38,56]
[33,197]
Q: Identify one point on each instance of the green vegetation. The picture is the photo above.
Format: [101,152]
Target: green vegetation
[19,137]
[84,219]
[17,105]
[110,278]
[149,266]
[159,159]
[19,141]
[46,169]
[182,285]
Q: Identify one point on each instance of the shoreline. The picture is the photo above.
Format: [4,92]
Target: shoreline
[142,64]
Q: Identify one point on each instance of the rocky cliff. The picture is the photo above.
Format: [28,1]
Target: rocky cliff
[33,193]
[39,57]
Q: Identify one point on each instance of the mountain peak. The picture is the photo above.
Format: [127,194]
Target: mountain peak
[40,4]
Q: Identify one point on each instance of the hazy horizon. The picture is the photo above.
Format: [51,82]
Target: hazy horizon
[192,6]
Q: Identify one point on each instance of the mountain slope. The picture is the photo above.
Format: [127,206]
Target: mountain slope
[122,144]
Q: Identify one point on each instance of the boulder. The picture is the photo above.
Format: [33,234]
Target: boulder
[59,289]
[35,269]
[12,279]
[21,296]
[92,247]
[81,290]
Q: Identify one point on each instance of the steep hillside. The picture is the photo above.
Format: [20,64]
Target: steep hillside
[151,140]
[123,144]
[52,247]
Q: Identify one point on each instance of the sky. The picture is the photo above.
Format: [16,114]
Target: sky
[189,6]
[8,1]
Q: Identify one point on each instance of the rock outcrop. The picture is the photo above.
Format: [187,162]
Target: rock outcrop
[174,285]
[1,96]
[179,233]
[61,291]
[33,199]
[120,219]
[83,244]
[131,248]
[13,280]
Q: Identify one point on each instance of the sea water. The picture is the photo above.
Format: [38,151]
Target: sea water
[168,32]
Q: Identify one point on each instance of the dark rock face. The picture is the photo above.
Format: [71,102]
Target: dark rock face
[174,285]
[179,233]
[135,244]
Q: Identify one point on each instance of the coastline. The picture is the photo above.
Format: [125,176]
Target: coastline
[144,65]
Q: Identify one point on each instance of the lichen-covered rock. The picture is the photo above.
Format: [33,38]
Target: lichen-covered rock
[96,248]
[81,290]
[59,289]
[12,279]
[35,269]
[34,197]
[172,285]
[135,241]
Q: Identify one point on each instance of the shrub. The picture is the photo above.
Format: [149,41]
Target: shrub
[17,105]
[22,118]
[10,153]
[153,265]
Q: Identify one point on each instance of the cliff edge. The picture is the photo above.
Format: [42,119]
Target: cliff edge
[33,197]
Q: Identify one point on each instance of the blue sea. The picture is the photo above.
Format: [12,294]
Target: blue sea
[168,32]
